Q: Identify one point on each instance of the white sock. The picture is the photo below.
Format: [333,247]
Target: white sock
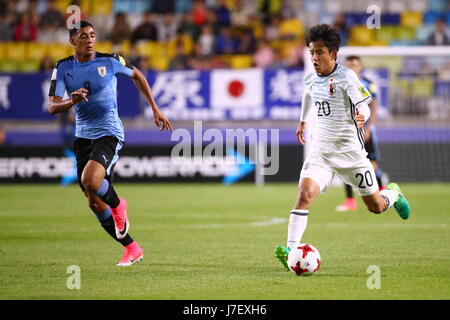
[390,195]
[296,227]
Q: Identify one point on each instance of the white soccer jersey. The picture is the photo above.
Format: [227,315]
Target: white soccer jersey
[333,100]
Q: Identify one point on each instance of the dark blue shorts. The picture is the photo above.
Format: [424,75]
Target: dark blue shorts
[371,146]
[104,150]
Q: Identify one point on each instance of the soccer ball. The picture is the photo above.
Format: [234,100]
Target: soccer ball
[304,260]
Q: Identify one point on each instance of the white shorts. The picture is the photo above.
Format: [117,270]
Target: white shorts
[354,168]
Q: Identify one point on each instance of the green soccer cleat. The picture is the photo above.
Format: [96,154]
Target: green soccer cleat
[401,205]
[281,253]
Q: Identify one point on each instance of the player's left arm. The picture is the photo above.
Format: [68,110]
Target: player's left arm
[362,114]
[141,83]
[373,118]
[373,111]
[304,116]
[359,96]
[121,66]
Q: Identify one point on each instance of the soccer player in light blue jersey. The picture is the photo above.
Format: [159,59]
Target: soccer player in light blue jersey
[90,79]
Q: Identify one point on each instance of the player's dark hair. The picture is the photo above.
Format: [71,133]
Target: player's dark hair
[326,33]
[351,58]
[83,24]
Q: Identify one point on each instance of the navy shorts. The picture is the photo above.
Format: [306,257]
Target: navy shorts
[104,150]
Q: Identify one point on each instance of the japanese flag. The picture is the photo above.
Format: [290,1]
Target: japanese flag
[237,89]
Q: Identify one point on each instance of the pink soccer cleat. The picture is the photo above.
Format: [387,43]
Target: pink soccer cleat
[133,253]
[120,218]
[348,205]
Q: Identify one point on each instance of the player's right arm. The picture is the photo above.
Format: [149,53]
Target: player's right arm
[359,96]
[56,104]
[121,66]
[373,111]
[306,109]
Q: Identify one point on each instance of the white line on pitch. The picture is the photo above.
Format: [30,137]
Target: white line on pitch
[269,223]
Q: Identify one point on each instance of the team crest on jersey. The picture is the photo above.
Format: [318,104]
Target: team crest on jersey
[332,89]
[101,71]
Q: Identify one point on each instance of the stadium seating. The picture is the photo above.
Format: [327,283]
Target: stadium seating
[352,19]
[423,32]
[422,88]
[437,5]
[159,63]
[131,6]
[183,6]
[407,34]
[57,51]
[241,61]
[186,42]
[104,46]
[62,5]
[148,49]
[411,19]
[8,66]
[29,66]
[2,50]
[360,35]
[386,34]
[124,48]
[37,51]
[103,7]
[390,19]
[403,23]
[16,51]
[291,27]
[430,17]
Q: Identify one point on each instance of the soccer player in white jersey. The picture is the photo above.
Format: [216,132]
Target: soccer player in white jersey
[338,101]
[370,140]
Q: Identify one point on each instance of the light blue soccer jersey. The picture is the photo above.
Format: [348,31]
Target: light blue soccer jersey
[98,116]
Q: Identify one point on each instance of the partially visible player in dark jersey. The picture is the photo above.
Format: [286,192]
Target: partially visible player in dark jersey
[371,145]
[90,79]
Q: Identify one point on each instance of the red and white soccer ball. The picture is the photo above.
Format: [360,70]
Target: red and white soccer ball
[304,260]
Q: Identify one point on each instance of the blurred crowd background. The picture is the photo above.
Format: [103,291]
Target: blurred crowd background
[206,34]
[225,37]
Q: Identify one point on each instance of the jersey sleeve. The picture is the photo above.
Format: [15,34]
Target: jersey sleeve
[306,105]
[57,82]
[356,91]
[121,66]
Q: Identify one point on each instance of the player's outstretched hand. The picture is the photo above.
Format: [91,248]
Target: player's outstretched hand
[359,119]
[300,131]
[161,121]
[79,95]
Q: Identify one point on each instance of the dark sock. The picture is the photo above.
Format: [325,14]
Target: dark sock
[108,225]
[108,195]
[348,191]
[379,182]
[379,174]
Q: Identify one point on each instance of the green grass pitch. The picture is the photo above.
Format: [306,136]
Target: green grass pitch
[207,241]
